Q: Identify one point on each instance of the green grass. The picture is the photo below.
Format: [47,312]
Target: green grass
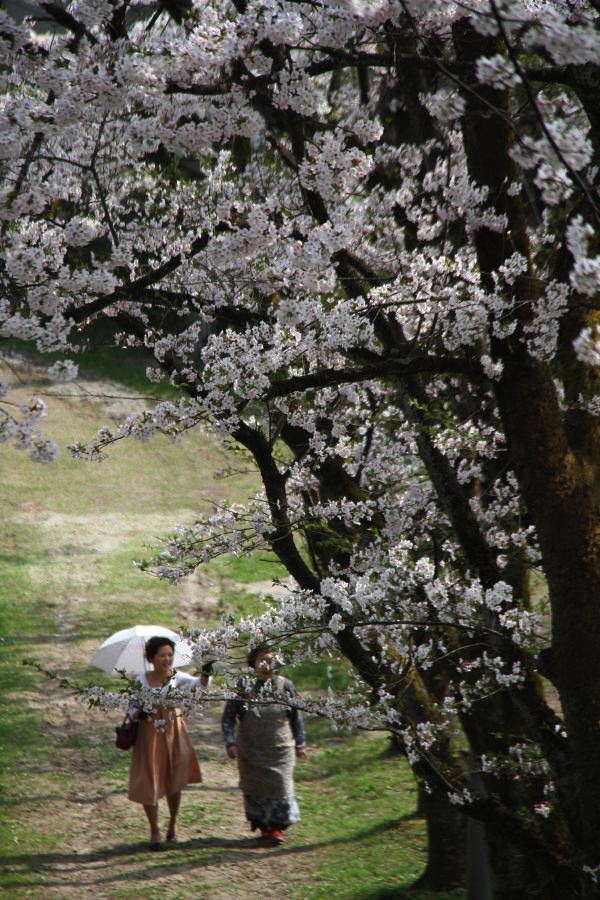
[318,676]
[68,539]
[262,566]
[101,358]
[241,603]
[26,619]
[70,532]
[358,804]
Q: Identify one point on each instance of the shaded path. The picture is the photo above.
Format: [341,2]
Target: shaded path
[69,535]
[86,840]
[103,851]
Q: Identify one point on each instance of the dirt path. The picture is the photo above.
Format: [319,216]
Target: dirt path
[96,864]
[76,797]
[102,851]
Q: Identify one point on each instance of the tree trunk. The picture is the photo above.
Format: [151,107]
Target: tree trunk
[446,844]
[479,872]
[558,479]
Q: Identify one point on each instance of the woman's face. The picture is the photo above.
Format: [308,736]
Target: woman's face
[263,664]
[163,659]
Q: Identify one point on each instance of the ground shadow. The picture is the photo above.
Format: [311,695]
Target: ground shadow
[43,798]
[173,858]
[329,768]
[413,892]
[221,789]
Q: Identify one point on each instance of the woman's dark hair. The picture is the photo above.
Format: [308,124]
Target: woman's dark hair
[256,652]
[154,644]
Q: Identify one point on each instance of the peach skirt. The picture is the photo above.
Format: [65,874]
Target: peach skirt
[162,762]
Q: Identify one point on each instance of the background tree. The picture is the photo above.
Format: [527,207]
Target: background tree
[383,216]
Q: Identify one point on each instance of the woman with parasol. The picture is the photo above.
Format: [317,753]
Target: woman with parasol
[163,760]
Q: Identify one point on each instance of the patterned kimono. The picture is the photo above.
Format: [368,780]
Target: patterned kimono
[267,738]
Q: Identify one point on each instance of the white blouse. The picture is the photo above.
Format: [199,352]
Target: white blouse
[178,680]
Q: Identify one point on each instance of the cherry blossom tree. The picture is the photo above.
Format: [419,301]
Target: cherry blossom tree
[361,239]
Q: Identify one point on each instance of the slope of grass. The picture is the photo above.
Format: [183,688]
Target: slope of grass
[68,539]
[358,803]
[260,566]
[99,357]
[27,619]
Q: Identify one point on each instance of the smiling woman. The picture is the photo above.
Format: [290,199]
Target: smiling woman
[163,759]
[269,735]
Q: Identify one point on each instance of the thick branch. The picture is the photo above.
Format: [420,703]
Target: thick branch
[64,18]
[389,368]
[134,290]
[282,537]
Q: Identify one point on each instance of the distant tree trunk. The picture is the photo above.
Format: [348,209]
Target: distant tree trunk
[479,873]
[446,844]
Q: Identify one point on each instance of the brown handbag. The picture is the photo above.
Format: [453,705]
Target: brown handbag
[126,734]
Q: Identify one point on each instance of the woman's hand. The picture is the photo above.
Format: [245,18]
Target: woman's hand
[301,752]
[232,751]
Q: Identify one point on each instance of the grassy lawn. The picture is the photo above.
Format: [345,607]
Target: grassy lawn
[27,617]
[261,566]
[68,539]
[358,804]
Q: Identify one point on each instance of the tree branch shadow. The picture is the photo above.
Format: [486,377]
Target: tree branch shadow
[204,852]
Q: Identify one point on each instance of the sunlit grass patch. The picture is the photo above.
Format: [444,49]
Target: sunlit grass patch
[26,616]
[26,621]
[320,675]
[357,804]
[68,581]
[239,602]
[259,566]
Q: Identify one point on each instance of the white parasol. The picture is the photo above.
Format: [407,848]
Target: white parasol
[125,649]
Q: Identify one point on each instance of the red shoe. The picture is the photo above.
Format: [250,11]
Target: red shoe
[276,836]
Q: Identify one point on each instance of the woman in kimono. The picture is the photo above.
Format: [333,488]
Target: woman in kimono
[163,759]
[265,738]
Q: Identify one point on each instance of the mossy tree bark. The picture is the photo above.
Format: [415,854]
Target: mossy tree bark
[555,457]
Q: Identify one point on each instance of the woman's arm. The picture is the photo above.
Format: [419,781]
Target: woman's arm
[295,717]
[183,678]
[231,713]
